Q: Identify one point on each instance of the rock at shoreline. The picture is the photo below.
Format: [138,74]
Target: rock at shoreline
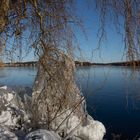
[5,134]
[74,129]
[92,130]
[42,134]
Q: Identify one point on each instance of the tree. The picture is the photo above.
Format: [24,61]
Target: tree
[125,15]
[46,26]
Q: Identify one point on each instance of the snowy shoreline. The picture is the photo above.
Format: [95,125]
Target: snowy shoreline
[12,128]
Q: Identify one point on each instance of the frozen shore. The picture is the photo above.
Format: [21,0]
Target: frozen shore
[13,123]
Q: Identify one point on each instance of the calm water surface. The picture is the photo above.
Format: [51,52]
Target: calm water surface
[112,94]
[17,76]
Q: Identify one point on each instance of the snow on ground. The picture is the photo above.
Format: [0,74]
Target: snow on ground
[3,87]
[5,134]
[91,130]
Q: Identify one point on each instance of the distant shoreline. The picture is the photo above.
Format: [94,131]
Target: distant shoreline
[131,63]
[21,64]
[77,63]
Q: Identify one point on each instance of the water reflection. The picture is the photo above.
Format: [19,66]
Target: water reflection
[112,94]
[3,73]
[113,97]
[20,76]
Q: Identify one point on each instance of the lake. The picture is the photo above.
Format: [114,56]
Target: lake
[112,94]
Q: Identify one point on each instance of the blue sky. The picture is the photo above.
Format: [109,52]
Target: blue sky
[110,50]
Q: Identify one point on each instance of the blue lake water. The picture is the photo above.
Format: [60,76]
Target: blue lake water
[17,76]
[112,94]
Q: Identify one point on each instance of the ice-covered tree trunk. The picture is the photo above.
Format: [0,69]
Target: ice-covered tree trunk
[57,102]
[55,90]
